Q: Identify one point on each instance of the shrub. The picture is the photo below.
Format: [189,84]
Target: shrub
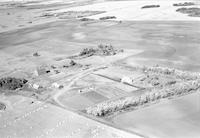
[36,54]
[2,106]
[72,63]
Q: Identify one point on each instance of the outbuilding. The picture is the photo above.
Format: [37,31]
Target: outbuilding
[127,80]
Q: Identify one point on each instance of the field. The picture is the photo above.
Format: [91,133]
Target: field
[103,68]
[30,118]
[123,10]
[167,119]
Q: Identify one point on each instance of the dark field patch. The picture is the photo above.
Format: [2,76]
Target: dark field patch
[150,6]
[2,106]
[194,12]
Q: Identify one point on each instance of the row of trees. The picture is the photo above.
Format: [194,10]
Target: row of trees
[11,83]
[193,11]
[105,50]
[107,17]
[179,74]
[87,51]
[184,4]
[150,6]
[107,107]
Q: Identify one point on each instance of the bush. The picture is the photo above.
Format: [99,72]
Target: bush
[2,106]
[36,54]
[10,83]
[72,63]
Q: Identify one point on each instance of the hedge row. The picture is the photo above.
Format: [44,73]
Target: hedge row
[179,74]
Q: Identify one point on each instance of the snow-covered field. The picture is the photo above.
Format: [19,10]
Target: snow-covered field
[23,120]
[168,119]
[17,0]
[28,27]
[131,10]
[39,1]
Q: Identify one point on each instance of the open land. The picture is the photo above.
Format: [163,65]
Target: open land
[99,69]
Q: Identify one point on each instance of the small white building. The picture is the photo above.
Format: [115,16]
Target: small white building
[36,86]
[57,86]
[127,80]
